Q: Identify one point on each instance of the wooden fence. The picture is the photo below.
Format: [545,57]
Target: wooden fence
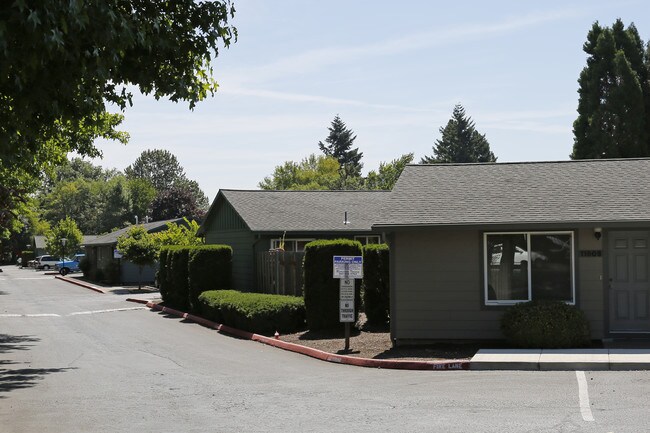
[280,272]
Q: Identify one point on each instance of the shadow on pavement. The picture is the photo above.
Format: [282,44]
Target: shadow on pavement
[25,377]
[10,343]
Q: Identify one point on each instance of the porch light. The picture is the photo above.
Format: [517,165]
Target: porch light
[598,232]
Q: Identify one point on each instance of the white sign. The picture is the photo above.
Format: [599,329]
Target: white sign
[346,289]
[117,254]
[348,267]
[346,311]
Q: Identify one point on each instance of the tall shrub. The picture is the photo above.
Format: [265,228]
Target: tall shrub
[209,268]
[178,281]
[321,290]
[162,276]
[376,283]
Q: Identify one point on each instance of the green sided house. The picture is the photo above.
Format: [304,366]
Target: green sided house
[106,263]
[255,222]
[467,240]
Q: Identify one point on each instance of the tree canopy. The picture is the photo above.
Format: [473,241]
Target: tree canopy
[63,61]
[460,142]
[339,145]
[388,173]
[139,247]
[66,228]
[614,95]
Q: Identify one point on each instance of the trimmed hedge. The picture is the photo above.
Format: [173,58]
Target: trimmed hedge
[376,284]
[178,294]
[254,312]
[25,257]
[162,276]
[209,268]
[321,291]
[545,325]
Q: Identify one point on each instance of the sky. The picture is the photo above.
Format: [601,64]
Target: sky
[392,71]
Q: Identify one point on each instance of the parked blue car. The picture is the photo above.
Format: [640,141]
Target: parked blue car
[69,265]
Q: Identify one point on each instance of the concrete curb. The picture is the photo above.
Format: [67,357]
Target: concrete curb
[460,364]
[80,283]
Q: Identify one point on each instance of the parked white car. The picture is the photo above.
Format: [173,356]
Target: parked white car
[46,262]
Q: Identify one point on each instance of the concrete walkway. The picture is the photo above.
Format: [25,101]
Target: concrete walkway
[561,359]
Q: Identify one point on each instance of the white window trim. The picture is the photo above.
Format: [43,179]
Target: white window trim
[278,240]
[528,234]
[378,237]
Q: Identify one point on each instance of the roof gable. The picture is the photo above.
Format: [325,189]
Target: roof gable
[111,238]
[598,191]
[299,211]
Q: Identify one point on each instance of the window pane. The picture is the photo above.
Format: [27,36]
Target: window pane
[507,262]
[300,245]
[551,272]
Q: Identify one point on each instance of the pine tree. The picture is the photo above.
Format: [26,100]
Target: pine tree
[460,142]
[339,145]
[614,102]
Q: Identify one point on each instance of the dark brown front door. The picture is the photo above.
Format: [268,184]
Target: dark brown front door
[629,284]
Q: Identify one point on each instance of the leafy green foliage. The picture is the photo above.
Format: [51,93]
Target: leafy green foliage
[321,291]
[158,166]
[545,325]
[162,275]
[388,173]
[209,268]
[339,146]
[66,228]
[177,276]
[175,195]
[138,247]
[614,105]
[376,283]
[460,142]
[313,172]
[254,312]
[179,234]
[61,61]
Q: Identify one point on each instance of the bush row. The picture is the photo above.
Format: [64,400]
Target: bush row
[253,312]
[187,271]
[376,284]
[321,291]
[546,325]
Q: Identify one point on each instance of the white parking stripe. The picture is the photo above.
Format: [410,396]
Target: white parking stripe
[78,313]
[583,393]
[29,315]
[83,313]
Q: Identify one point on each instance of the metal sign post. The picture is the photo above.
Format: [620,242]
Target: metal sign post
[347,269]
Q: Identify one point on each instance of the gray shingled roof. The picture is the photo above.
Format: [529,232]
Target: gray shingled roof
[111,238]
[306,211]
[588,191]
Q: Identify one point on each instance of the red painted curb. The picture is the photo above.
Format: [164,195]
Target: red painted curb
[138,301]
[457,364]
[80,283]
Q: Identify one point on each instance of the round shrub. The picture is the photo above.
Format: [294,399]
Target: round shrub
[545,325]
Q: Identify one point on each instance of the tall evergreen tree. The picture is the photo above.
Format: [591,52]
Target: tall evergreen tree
[339,145]
[614,103]
[460,142]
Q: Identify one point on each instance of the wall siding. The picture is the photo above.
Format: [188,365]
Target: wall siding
[589,277]
[438,282]
[438,286]
[243,266]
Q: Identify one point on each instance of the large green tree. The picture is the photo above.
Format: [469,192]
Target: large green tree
[65,229]
[614,103]
[314,172]
[388,173]
[460,142]
[62,61]
[338,144]
[159,166]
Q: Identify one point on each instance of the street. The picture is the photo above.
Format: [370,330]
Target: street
[73,360]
